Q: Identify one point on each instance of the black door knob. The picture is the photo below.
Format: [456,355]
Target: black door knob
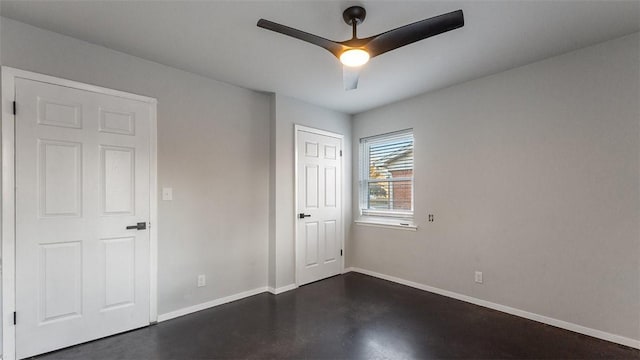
[138,226]
[303,215]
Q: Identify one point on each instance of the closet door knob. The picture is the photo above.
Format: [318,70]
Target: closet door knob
[138,226]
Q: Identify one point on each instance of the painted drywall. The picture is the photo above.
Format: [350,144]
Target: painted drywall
[288,112]
[271,276]
[213,150]
[533,176]
[217,143]
[1,297]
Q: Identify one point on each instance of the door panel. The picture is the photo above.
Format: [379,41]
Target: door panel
[330,152]
[311,186]
[330,241]
[311,243]
[60,281]
[319,236]
[330,186]
[82,176]
[310,149]
[117,123]
[59,113]
[118,273]
[60,178]
[117,179]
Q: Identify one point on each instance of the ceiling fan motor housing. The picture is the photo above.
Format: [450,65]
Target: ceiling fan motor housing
[354,13]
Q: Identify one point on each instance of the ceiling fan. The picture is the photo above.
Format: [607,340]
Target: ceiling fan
[356,52]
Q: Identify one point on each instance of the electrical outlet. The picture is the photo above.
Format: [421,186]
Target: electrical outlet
[478,277]
[202,280]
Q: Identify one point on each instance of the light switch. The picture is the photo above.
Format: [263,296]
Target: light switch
[167,193]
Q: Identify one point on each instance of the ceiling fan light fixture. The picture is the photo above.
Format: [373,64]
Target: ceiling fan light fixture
[354,57]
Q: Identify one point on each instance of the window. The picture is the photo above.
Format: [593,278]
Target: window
[386,175]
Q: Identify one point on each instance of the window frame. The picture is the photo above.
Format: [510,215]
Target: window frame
[379,215]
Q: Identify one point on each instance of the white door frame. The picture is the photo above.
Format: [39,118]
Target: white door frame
[296,248]
[9,76]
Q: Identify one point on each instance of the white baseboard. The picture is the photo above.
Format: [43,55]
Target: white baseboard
[506,309]
[280,290]
[209,304]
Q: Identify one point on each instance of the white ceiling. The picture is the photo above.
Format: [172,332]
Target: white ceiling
[220,39]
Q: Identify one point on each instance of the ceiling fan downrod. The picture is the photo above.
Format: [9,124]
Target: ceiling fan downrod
[354,16]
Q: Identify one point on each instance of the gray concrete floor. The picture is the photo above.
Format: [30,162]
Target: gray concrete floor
[350,316]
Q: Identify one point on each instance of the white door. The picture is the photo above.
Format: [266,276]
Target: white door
[82,177]
[319,227]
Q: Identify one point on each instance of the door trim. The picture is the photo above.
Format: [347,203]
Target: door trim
[8,221]
[296,248]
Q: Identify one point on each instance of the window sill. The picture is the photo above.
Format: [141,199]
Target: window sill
[387,223]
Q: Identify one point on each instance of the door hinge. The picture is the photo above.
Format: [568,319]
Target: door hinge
[340,252]
[340,150]
[14,318]
[15,106]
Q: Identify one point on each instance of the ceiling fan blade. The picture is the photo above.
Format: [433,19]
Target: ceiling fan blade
[350,76]
[335,48]
[416,31]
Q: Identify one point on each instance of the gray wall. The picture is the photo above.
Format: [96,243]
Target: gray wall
[289,111]
[213,149]
[533,177]
[226,151]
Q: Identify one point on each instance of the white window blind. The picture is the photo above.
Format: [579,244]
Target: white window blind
[386,185]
